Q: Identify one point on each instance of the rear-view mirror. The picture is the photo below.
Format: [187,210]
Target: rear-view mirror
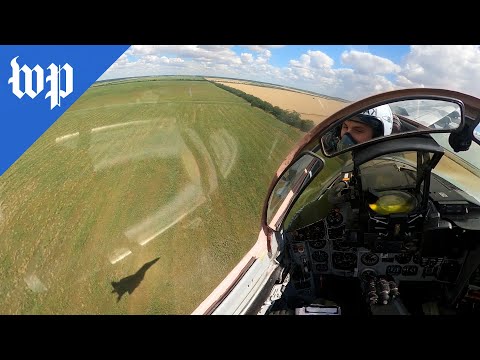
[418,115]
[476,132]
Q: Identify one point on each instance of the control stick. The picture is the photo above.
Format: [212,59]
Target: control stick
[372,296]
[393,289]
[383,290]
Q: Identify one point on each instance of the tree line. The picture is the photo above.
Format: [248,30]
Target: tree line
[291,118]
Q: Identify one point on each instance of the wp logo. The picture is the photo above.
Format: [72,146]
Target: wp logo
[36,76]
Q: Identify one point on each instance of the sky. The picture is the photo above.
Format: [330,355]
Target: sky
[351,72]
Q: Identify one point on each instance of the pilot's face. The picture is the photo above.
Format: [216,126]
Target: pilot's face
[359,131]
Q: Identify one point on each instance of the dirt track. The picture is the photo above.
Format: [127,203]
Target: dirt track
[310,107]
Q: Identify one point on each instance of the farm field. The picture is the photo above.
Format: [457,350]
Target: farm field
[309,106]
[138,200]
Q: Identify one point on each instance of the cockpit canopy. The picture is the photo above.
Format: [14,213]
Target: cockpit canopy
[428,124]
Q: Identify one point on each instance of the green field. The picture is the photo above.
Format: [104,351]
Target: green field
[174,170]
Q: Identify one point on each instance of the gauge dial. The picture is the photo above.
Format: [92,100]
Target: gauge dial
[340,245]
[369,259]
[403,258]
[318,231]
[368,274]
[318,244]
[334,218]
[320,256]
[422,261]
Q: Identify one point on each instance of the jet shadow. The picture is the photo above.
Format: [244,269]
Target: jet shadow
[131,282]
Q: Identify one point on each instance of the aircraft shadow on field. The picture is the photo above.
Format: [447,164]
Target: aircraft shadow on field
[131,282]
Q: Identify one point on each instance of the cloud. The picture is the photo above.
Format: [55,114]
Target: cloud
[356,74]
[262,48]
[454,67]
[402,81]
[319,59]
[313,60]
[354,86]
[303,62]
[247,58]
[367,63]
[218,53]
[314,66]
[218,60]
[263,57]
[167,60]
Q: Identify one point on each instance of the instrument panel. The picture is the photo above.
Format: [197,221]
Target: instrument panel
[322,248]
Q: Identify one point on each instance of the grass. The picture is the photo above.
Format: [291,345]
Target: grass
[171,169]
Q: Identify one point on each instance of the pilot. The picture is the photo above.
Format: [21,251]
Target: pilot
[379,121]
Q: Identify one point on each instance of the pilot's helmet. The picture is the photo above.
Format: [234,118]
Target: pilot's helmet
[380,119]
